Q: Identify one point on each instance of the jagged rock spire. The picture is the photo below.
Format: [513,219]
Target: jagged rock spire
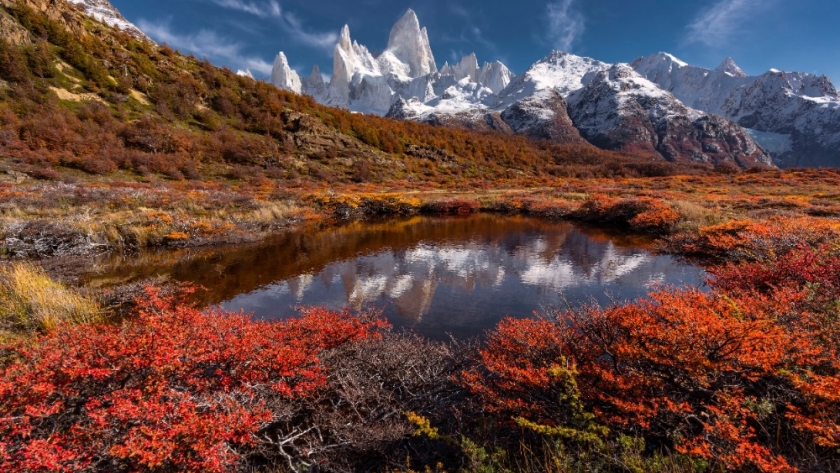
[410,44]
[283,76]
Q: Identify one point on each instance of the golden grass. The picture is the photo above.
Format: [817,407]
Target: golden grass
[694,216]
[30,301]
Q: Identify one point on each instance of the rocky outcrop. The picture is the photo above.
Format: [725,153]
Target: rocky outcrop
[542,119]
[619,109]
[12,31]
[311,138]
[796,116]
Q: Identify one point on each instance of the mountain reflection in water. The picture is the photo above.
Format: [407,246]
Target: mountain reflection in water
[436,275]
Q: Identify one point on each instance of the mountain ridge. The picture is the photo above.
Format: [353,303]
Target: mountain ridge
[796,113]
[535,103]
[465,94]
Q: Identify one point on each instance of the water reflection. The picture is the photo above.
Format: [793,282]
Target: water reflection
[434,275]
[462,280]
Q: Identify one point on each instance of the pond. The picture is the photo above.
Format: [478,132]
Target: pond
[438,276]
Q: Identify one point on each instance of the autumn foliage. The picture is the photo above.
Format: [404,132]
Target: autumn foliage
[746,376]
[743,375]
[174,389]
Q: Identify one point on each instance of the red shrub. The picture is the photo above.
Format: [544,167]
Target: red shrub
[745,240]
[643,213]
[452,207]
[720,376]
[175,389]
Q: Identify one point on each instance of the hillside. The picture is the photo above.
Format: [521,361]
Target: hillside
[79,95]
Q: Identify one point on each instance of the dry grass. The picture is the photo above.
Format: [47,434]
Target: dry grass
[32,302]
[694,216]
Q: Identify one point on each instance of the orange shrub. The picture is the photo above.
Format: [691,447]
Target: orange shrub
[720,376]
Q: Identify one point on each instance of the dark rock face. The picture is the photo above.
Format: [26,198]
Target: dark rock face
[711,139]
[402,110]
[490,121]
[546,119]
[620,110]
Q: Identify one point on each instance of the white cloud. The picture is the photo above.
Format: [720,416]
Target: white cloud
[265,10]
[565,24]
[287,21]
[295,28]
[207,44]
[717,26]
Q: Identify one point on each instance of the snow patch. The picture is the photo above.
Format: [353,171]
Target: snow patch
[103,11]
[776,143]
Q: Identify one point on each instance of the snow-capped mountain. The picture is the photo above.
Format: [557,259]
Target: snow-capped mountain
[619,109]
[793,115]
[405,70]
[563,98]
[103,11]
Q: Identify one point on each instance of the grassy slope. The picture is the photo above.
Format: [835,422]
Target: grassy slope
[106,101]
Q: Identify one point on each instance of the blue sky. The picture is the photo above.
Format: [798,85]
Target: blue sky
[760,34]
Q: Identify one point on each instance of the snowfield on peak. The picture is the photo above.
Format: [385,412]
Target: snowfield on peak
[561,72]
[103,11]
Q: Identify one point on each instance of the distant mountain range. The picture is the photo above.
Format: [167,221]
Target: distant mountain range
[793,115]
[657,103]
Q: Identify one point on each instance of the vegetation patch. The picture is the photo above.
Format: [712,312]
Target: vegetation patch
[32,302]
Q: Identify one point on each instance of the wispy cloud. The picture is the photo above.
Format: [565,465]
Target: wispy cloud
[565,24]
[265,9]
[471,32]
[320,40]
[716,26]
[288,22]
[207,44]
[220,49]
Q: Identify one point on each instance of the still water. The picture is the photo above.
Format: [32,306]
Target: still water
[438,276]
